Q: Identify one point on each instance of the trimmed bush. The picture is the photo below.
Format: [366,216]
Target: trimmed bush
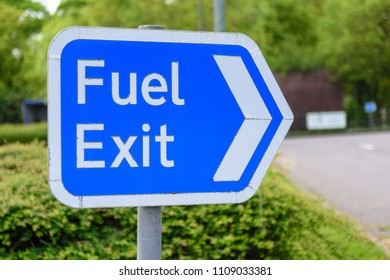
[10,110]
[10,133]
[277,223]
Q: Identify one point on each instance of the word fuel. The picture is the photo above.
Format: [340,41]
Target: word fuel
[124,146]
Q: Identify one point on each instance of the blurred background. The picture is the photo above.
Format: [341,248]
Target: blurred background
[327,55]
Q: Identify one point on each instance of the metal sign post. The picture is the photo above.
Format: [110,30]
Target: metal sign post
[370,108]
[149,219]
[219,15]
[149,226]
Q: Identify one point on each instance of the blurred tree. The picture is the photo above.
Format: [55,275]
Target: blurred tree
[286,30]
[356,43]
[8,44]
[173,14]
[21,21]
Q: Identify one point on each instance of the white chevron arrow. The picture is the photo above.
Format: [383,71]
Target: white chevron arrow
[256,118]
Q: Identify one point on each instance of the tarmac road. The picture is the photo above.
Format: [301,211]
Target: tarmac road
[351,171]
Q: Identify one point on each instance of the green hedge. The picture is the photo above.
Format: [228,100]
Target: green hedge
[10,110]
[10,133]
[277,223]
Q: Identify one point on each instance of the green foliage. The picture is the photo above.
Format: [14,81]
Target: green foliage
[10,110]
[286,30]
[10,133]
[21,21]
[356,38]
[33,15]
[277,223]
[8,43]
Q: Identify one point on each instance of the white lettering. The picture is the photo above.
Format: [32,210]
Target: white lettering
[124,147]
[146,146]
[164,139]
[124,151]
[83,81]
[132,98]
[147,89]
[81,146]
[175,85]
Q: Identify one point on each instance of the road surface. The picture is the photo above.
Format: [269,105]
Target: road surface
[351,171]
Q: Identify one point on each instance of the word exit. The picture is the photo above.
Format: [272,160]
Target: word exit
[124,147]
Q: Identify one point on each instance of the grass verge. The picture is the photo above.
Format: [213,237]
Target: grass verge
[11,133]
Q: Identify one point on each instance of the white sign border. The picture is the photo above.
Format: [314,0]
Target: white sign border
[121,34]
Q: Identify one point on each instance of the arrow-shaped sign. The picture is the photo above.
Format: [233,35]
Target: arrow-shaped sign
[156,117]
[257,118]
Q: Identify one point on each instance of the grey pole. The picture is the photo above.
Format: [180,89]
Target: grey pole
[371,121]
[149,223]
[149,233]
[201,15]
[219,15]
[384,117]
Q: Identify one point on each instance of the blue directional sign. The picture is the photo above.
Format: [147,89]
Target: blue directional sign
[156,117]
[370,107]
